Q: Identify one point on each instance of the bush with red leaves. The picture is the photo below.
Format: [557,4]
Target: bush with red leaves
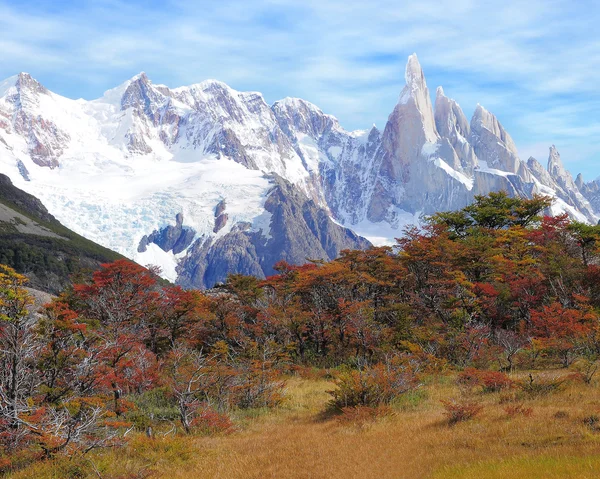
[489,381]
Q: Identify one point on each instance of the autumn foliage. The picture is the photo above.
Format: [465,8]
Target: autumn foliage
[486,290]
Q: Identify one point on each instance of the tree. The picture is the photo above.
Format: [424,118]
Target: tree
[18,376]
[496,210]
[185,372]
[587,238]
[120,298]
[563,330]
[63,348]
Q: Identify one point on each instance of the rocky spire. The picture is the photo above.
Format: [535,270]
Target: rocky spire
[494,145]
[569,189]
[449,118]
[540,173]
[579,181]
[483,119]
[417,165]
[415,96]
[555,165]
[558,172]
[452,124]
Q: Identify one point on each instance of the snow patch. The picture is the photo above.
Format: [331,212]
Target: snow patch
[428,149]
[334,151]
[155,256]
[457,175]
[383,233]
[262,223]
[310,149]
[484,168]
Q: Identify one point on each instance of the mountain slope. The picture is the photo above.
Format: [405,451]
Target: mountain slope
[121,169]
[34,243]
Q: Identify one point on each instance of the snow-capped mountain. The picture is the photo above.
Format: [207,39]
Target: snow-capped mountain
[205,180]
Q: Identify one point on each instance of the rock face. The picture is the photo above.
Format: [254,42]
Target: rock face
[452,124]
[250,184]
[298,230]
[170,238]
[22,98]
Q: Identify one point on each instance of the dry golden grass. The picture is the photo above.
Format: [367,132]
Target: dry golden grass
[299,441]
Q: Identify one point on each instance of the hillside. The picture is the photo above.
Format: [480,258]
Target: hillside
[34,243]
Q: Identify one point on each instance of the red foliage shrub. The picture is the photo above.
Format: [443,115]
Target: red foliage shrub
[458,410]
[361,415]
[490,381]
[513,410]
[209,421]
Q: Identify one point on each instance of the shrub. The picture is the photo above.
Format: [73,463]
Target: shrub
[469,377]
[585,370]
[372,386]
[458,410]
[209,421]
[256,386]
[153,406]
[541,386]
[490,381]
[361,415]
[513,410]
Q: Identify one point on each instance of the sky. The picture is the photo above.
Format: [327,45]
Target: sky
[535,64]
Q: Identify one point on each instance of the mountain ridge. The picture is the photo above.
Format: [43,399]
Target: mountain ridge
[123,166]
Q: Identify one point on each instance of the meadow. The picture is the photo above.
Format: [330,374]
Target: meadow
[559,437]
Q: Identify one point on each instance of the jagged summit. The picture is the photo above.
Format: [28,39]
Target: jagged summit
[555,165]
[558,172]
[21,88]
[414,73]
[140,76]
[294,102]
[414,105]
[26,82]
[483,119]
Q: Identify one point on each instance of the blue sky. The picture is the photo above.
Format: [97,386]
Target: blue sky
[535,64]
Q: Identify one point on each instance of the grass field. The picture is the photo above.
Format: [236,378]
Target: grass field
[559,439]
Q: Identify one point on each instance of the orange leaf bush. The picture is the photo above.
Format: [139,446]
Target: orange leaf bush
[489,381]
[457,410]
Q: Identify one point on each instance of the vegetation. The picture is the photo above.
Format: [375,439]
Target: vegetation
[466,342]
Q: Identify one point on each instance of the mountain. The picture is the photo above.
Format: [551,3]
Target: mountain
[34,243]
[204,180]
